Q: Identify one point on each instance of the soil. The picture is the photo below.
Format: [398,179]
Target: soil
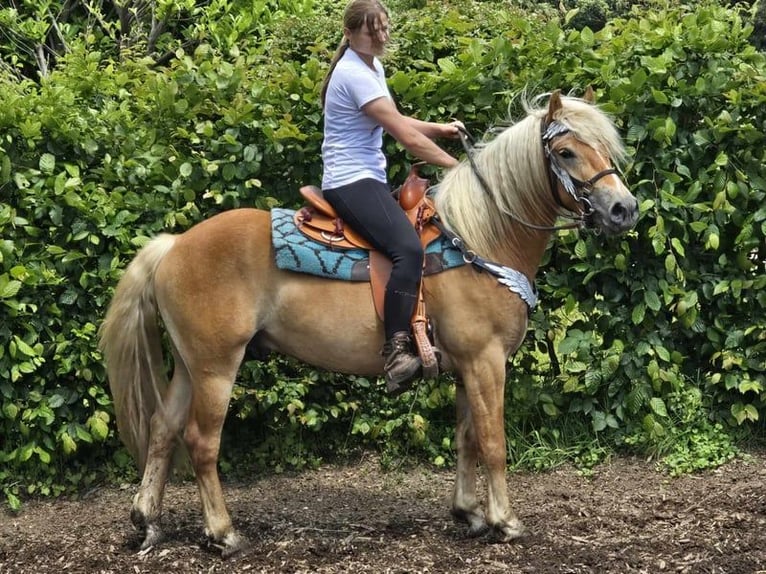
[627,517]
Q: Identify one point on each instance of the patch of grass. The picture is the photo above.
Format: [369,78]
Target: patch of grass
[570,441]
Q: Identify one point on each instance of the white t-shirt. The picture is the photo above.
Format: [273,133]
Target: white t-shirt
[353,143]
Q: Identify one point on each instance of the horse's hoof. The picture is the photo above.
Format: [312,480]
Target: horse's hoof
[232,544]
[477,525]
[512,530]
[152,537]
[477,530]
[138,519]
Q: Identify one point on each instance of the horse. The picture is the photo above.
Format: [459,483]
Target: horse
[217,291]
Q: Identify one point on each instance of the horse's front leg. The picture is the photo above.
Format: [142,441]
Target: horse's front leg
[465,504]
[484,388]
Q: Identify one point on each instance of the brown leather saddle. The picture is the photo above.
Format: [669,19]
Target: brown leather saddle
[319,221]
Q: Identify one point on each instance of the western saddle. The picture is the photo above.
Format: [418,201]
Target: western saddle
[319,221]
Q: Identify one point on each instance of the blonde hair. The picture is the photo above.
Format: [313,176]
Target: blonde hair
[358,13]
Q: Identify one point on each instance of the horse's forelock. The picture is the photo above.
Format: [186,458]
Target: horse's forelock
[589,124]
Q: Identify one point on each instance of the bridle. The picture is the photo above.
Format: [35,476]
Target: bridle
[577,189]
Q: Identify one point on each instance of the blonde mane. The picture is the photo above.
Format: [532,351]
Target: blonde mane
[514,167]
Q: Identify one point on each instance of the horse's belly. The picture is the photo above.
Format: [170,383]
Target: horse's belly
[329,324]
[326,350]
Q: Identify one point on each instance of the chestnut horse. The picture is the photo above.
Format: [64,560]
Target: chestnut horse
[217,290]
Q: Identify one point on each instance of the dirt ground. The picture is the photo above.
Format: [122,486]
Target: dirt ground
[626,518]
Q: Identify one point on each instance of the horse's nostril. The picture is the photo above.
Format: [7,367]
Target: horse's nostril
[619,213]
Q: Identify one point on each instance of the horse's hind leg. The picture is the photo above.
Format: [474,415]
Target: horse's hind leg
[210,403]
[166,426]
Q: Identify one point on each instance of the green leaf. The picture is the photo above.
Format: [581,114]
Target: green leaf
[658,407]
[550,409]
[82,434]
[26,452]
[743,413]
[55,401]
[447,66]
[750,385]
[98,428]
[659,97]
[670,128]
[678,246]
[9,289]
[43,455]
[652,300]
[568,345]
[598,421]
[23,348]
[637,316]
[47,163]
[10,411]
[581,249]
[68,444]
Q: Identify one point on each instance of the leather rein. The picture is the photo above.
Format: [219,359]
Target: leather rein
[577,189]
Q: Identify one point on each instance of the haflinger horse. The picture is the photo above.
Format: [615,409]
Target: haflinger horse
[218,291]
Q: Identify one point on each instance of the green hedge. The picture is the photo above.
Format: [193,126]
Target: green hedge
[654,341]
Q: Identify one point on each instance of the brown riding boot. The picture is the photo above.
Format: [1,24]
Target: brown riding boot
[401,364]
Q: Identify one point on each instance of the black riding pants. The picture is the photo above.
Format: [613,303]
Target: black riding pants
[369,208]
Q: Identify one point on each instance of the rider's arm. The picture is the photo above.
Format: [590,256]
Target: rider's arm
[435,130]
[405,130]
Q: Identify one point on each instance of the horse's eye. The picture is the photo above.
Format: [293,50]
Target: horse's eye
[566,153]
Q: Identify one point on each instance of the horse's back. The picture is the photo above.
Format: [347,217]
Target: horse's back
[235,227]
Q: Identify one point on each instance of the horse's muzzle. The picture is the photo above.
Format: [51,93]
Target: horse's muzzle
[619,216]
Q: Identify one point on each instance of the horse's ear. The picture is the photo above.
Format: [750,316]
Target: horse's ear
[590,95]
[554,105]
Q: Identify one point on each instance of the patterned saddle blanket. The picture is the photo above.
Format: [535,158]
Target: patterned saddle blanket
[296,252]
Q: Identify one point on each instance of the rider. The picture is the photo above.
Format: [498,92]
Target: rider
[357,109]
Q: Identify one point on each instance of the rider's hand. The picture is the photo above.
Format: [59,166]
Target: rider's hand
[452,129]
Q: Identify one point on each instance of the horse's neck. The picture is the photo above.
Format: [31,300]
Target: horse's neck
[495,225]
[523,251]
[522,247]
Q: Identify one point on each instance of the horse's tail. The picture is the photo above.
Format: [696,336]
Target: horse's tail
[131,343]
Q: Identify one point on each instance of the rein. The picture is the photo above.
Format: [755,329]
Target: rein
[516,281]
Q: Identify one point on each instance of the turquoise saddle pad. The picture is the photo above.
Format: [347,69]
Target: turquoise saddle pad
[296,252]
